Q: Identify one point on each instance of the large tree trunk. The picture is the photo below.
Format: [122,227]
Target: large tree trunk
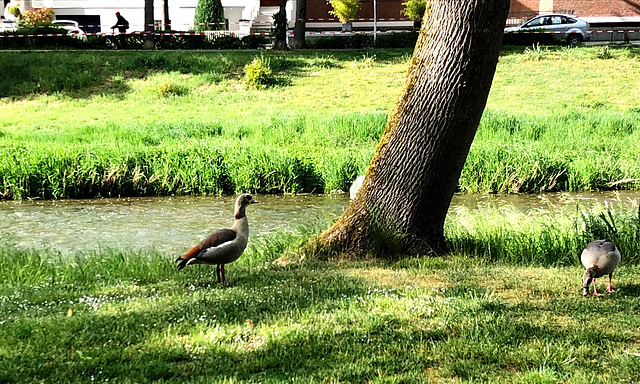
[281,27]
[149,37]
[166,21]
[402,204]
[299,41]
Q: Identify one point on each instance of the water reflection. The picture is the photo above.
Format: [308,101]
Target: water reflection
[171,224]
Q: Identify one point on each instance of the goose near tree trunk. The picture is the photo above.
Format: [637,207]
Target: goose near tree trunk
[223,246]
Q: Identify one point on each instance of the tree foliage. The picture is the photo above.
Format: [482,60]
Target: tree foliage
[279,29]
[415,9]
[209,16]
[344,10]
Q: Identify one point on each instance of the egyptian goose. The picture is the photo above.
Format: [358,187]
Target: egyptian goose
[601,257]
[223,246]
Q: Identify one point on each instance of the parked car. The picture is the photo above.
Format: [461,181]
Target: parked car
[7,25]
[72,27]
[567,28]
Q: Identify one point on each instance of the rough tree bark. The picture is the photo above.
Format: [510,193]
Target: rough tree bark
[166,21]
[299,41]
[414,173]
[149,37]
[281,27]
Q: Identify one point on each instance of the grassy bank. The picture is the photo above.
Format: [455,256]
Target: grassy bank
[129,317]
[161,123]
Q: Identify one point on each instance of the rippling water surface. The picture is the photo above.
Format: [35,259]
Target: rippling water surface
[172,224]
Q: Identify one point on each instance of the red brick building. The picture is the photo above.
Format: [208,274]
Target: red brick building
[392,9]
[582,8]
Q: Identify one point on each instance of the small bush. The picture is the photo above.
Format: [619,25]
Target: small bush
[415,9]
[355,41]
[258,73]
[195,41]
[344,10]
[226,42]
[36,16]
[24,42]
[604,53]
[397,40]
[255,42]
[168,88]
[536,53]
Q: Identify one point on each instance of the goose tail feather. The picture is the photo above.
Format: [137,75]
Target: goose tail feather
[184,259]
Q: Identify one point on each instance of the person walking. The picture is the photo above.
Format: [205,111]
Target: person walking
[122,24]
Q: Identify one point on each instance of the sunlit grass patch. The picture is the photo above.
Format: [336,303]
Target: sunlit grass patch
[450,318]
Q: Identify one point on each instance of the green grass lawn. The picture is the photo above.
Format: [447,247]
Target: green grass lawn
[162,123]
[504,306]
[417,321]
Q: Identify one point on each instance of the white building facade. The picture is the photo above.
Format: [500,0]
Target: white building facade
[97,16]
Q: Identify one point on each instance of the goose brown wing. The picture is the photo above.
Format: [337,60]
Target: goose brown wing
[216,238]
[213,240]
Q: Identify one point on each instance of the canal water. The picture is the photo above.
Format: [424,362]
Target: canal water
[173,224]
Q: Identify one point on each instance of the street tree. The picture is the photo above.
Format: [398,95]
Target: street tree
[149,37]
[300,29]
[209,16]
[404,199]
[166,21]
[280,27]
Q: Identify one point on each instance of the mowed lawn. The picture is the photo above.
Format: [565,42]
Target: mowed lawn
[504,306]
[422,320]
[172,123]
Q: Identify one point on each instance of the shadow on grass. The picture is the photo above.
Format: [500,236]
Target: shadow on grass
[141,339]
[278,325]
[629,290]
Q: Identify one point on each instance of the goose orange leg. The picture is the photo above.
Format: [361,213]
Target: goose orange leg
[595,290]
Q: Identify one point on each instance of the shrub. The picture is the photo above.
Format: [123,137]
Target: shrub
[15,11]
[226,42]
[529,39]
[397,40]
[168,88]
[196,41]
[211,13]
[415,9]
[36,16]
[344,10]
[258,73]
[24,42]
[255,41]
[355,41]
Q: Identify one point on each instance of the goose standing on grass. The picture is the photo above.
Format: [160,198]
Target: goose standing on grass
[223,246]
[601,257]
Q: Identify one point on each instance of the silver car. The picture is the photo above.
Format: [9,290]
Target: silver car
[568,28]
[72,28]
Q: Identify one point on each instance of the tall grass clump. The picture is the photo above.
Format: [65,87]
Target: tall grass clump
[34,267]
[540,237]
[114,125]
[570,151]
[258,73]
